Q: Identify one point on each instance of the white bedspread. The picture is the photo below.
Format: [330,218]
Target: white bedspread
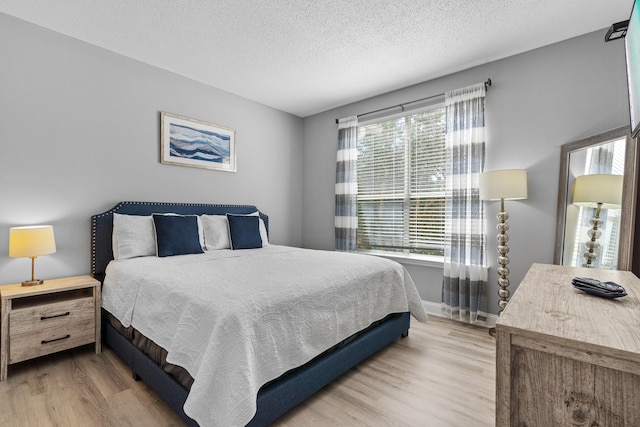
[237,319]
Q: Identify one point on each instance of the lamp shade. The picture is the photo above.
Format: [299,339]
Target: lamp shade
[507,184]
[31,241]
[589,190]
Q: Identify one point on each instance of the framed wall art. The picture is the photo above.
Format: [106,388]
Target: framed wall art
[188,142]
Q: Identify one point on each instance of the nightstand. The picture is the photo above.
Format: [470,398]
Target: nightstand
[38,320]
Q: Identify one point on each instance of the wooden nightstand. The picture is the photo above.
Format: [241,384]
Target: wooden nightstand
[43,319]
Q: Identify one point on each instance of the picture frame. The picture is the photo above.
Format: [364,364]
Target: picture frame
[198,144]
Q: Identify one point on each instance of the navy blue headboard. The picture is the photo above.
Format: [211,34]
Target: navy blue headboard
[102,224]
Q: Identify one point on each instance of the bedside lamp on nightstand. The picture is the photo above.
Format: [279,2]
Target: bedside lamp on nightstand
[31,242]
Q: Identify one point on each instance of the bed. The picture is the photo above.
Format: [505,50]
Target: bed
[183,375]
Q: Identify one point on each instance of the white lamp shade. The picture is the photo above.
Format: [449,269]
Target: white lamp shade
[589,190]
[31,241]
[507,184]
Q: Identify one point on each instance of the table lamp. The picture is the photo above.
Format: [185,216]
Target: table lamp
[506,184]
[597,191]
[31,241]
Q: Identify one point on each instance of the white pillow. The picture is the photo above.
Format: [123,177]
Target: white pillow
[216,232]
[133,236]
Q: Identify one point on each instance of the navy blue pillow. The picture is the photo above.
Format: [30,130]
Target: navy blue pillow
[244,231]
[177,235]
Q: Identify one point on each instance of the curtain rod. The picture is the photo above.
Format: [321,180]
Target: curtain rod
[487,85]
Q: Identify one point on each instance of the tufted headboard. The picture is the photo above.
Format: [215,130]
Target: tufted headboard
[102,224]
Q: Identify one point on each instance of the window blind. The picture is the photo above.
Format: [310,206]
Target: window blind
[401,183]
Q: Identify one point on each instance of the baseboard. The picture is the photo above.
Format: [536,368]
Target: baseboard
[435,309]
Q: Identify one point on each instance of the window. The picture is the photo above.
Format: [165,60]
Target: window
[401,183]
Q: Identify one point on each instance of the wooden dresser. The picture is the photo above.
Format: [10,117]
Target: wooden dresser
[565,358]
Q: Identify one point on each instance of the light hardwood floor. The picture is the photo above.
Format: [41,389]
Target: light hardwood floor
[443,374]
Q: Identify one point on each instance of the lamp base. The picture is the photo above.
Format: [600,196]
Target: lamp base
[32,282]
[503,261]
[592,244]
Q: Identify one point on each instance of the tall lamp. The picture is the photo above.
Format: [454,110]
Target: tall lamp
[31,241]
[506,184]
[597,191]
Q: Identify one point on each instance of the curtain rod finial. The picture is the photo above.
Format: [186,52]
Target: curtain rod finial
[487,84]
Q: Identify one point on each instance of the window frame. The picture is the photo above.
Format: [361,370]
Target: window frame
[406,256]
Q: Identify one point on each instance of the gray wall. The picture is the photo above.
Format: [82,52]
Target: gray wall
[539,100]
[79,131]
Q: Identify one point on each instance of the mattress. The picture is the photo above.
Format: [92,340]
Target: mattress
[247,317]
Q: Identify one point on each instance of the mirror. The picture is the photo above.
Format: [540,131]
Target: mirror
[610,153]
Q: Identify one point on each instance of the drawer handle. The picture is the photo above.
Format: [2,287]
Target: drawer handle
[55,315]
[55,339]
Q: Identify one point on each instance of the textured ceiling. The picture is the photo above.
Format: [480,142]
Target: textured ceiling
[307,56]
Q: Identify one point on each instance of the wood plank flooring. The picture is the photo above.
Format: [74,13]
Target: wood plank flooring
[443,374]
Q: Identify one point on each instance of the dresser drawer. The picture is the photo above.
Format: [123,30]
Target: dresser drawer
[51,316]
[50,340]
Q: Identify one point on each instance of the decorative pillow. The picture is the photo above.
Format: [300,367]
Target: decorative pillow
[177,235]
[263,229]
[200,229]
[133,236]
[216,232]
[244,231]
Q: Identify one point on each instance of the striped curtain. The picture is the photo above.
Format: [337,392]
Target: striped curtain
[464,290]
[346,225]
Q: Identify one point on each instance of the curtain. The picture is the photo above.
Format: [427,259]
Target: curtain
[464,290]
[346,220]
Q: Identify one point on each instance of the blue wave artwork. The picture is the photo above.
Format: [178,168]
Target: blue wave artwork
[197,144]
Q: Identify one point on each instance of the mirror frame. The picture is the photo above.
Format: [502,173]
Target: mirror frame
[629,190]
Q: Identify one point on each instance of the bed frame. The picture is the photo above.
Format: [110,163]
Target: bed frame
[275,398]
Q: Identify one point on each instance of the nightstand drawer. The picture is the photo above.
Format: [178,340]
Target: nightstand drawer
[50,340]
[57,315]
